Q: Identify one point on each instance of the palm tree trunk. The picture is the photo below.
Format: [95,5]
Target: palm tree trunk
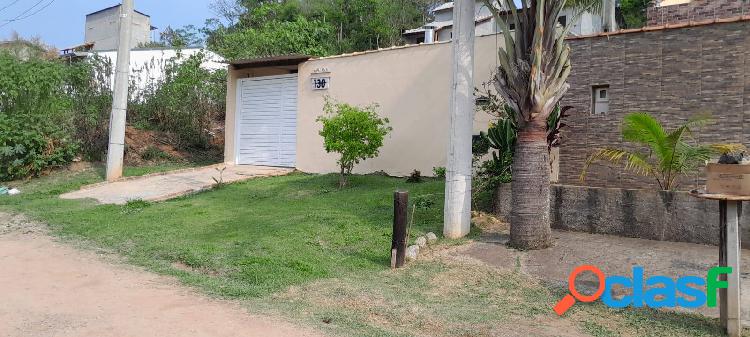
[530,227]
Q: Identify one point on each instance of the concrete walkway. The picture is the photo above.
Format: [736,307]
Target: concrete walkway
[51,289]
[613,255]
[168,185]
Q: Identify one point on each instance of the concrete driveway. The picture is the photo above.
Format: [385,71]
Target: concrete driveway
[168,185]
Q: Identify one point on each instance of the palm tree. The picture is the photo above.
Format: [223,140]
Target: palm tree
[661,155]
[533,68]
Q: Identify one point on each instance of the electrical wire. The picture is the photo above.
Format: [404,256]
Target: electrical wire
[8,5]
[22,17]
[38,10]
[26,11]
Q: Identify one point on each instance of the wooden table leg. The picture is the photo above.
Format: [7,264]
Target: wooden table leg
[723,262]
[732,257]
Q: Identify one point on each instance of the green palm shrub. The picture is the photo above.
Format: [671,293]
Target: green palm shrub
[662,155]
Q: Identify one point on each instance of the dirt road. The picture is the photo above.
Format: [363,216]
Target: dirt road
[50,289]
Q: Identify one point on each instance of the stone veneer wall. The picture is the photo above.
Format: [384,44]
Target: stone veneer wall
[673,74]
[645,214]
[696,10]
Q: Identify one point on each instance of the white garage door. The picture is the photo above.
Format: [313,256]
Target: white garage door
[267,120]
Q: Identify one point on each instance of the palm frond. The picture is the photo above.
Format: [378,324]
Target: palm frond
[580,7]
[535,62]
[635,162]
[670,155]
[699,120]
[644,129]
[728,148]
[688,158]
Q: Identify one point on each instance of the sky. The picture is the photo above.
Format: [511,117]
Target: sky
[61,24]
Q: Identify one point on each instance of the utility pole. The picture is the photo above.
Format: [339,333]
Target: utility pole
[116,149]
[457,216]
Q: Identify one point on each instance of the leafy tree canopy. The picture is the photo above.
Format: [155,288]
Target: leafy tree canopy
[289,36]
[634,12]
[187,36]
[251,28]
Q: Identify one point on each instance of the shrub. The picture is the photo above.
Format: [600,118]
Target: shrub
[89,87]
[356,133]
[35,117]
[439,172]
[153,153]
[424,201]
[51,112]
[501,138]
[415,177]
[184,102]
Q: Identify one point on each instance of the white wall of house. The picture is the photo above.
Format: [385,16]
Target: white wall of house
[587,23]
[444,34]
[147,65]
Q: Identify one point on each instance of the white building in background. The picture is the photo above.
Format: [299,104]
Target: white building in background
[440,29]
[146,64]
[102,28]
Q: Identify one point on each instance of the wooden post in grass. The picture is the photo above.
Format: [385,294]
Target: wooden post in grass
[398,243]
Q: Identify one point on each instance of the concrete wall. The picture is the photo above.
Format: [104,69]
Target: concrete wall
[102,29]
[412,87]
[645,214]
[588,23]
[673,74]
[148,65]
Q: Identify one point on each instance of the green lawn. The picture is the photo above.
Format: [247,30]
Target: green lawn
[298,247]
[252,238]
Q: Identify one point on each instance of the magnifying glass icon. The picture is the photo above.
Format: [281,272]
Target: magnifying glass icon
[570,299]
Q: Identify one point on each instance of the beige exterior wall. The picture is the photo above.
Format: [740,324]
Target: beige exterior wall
[411,85]
[229,128]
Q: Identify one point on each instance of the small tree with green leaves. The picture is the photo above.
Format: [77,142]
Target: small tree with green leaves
[662,155]
[356,133]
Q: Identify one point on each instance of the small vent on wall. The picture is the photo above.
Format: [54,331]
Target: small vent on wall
[600,99]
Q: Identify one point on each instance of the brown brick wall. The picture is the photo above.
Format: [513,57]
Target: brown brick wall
[697,10]
[673,74]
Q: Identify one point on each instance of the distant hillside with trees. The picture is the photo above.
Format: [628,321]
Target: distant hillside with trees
[252,28]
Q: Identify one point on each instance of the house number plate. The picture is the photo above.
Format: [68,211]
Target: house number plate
[321,83]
